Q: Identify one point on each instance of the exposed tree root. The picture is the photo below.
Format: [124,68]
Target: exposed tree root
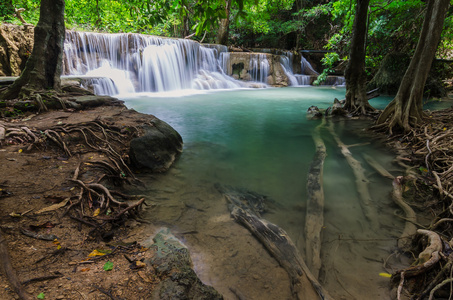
[404,242]
[425,149]
[95,200]
[314,220]
[9,272]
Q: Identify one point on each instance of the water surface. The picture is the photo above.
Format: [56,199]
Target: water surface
[261,140]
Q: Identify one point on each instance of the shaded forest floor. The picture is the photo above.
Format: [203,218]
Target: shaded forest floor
[51,252]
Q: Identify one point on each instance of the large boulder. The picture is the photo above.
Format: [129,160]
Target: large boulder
[172,264]
[157,146]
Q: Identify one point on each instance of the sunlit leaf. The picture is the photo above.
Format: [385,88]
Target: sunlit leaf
[108,266]
[99,252]
[96,212]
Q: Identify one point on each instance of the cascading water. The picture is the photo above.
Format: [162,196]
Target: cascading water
[259,67]
[139,63]
[286,60]
[131,63]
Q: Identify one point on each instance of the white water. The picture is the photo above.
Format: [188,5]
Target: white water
[260,67]
[137,63]
[141,64]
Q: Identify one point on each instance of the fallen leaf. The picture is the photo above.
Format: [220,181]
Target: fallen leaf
[84,269]
[137,265]
[96,212]
[108,266]
[387,275]
[99,252]
[57,243]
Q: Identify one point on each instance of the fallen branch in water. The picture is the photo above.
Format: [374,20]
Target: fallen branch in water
[303,284]
[360,179]
[314,219]
[378,167]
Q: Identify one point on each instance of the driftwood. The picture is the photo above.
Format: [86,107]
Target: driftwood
[9,271]
[360,179]
[314,220]
[404,242]
[304,285]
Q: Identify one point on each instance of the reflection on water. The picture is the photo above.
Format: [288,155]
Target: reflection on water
[261,140]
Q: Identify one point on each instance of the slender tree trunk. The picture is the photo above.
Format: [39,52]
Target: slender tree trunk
[43,68]
[406,110]
[356,99]
[224,26]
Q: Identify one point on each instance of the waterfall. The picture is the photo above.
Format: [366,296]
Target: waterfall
[138,63]
[286,60]
[259,67]
[306,67]
[131,63]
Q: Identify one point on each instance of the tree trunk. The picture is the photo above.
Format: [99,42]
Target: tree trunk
[406,110]
[224,26]
[356,99]
[43,68]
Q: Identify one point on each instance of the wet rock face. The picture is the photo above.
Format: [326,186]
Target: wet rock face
[157,147]
[172,263]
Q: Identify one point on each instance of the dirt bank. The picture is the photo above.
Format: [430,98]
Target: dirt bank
[58,252]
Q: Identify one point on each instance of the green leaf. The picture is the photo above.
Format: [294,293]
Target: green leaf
[423,170]
[108,266]
[41,296]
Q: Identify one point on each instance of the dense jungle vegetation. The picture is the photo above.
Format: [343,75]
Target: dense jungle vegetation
[393,26]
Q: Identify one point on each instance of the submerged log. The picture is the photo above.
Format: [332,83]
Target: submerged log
[314,220]
[360,179]
[378,167]
[303,284]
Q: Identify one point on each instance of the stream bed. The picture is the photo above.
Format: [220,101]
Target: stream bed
[261,140]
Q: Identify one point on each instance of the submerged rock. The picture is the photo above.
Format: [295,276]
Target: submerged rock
[313,112]
[172,263]
[157,148]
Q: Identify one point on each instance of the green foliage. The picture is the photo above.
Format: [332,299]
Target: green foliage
[6,10]
[316,24]
[329,61]
[108,266]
